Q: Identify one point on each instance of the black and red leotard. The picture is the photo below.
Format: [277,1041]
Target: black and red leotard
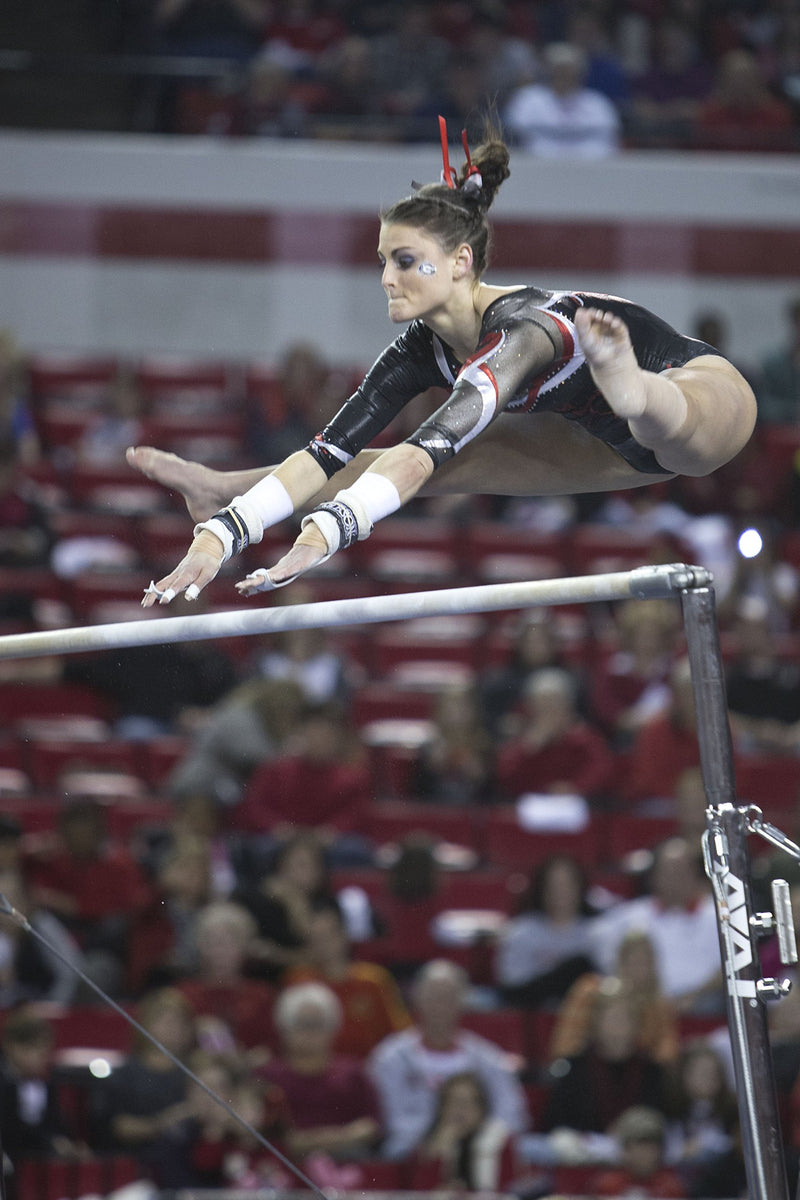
[528,359]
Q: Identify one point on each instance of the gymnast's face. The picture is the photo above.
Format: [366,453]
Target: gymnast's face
[418,273]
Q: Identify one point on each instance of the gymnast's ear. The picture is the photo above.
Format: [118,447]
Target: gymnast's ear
[463,261]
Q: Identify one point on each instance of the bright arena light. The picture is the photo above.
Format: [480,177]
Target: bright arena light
[100,1068]
[750,543]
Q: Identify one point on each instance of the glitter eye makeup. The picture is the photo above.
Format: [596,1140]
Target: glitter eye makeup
[426,268]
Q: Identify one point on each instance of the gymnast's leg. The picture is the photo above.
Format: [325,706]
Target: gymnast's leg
[206,490]
[694,418]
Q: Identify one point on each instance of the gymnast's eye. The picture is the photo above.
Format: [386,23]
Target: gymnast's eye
[405,261]
[381,261]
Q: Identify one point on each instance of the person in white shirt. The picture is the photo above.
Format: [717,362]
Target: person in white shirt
[680,919]
[409,1067]
[560,118]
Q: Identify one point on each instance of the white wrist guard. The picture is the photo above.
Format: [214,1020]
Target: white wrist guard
[341,521]
[244,520]
[350,516]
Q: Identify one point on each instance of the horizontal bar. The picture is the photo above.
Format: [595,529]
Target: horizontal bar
[641,582]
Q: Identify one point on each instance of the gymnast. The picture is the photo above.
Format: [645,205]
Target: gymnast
[550,392]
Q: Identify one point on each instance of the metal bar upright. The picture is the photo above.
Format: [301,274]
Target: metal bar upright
[728,866]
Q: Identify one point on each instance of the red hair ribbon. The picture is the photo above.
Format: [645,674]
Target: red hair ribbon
[449,174]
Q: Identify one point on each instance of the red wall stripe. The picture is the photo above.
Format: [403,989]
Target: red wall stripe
[205,235]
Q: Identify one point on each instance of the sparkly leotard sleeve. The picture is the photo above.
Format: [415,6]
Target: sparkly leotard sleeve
[529,359]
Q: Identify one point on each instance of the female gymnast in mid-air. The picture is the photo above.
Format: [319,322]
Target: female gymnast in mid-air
[550,392]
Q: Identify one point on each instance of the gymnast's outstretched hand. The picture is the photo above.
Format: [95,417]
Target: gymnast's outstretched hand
[309,549]
[197,568]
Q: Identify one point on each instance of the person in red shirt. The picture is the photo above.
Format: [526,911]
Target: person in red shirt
[666,745]
[741,113]
[372,1006]
[323,783]
[556,750]
[234,1013]
[95,887]
[333,1107]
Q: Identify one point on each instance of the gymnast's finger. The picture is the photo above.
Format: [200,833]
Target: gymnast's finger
[191,575]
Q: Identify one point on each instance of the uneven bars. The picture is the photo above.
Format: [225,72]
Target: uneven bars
[640,583]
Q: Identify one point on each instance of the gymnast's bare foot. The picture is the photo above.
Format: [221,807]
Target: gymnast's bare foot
[606,343]
[200,486]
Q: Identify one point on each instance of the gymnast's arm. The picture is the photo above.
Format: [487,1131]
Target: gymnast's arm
[405,368]
[486,383]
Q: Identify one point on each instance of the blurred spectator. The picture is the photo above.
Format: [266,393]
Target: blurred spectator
[409,1067]
[631,685]
[668,94]
[286,413]
[413,897]
[556,750]
[94,886]
[306,657]
[635,975]
[466,1147]
[691,803]
[156,689]
[591,1090]
[26,537]
[455,764]
[281,900]
[562,118]
[245,729]
[212,28]
[347,71]
[119,425]
[301,30]
[320,782]
[677,912]
[372,1006]
[270,105]
[32,1123]
[29,969]
[588,28]
[249,1165]
[162,945]
[332,1106]
[459,95]
[16,419]
[666,744]
[741,113]
[640,1134]
[763,686]
[408,60]
[536,644]
[206,1149]
[145,1097]
[702,1110]
[195,818]
[507,60]
[233,1012]
[546,946]
[779,385]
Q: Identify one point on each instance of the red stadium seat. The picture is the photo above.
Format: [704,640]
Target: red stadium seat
[505,842]
[61,375]
[59,701]
[596,549]
[48,760]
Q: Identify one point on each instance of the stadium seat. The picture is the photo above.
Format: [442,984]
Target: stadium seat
[505,842]
[57,1179]
[69,375]
[55,703]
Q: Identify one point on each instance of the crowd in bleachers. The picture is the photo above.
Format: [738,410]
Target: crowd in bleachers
[414,898]
[577,78]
